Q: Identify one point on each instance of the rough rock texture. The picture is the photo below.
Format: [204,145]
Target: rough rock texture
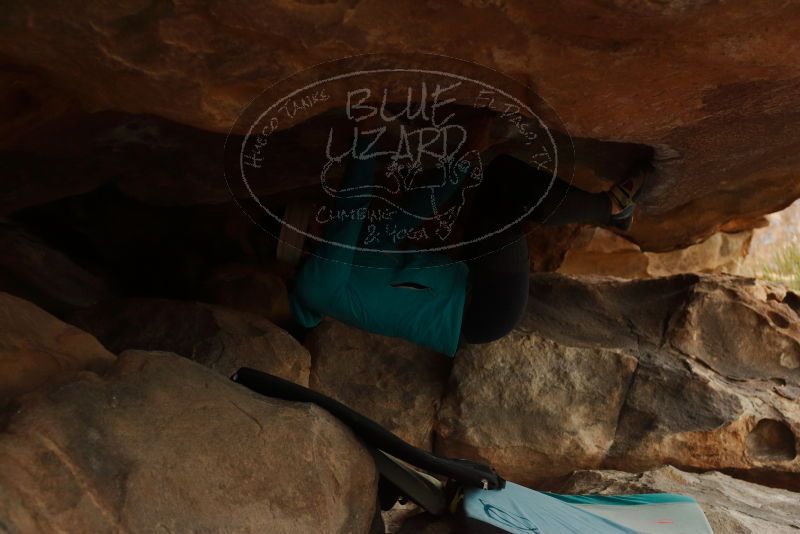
[162,443]
[222,339]
[603,312]
[31,269]
[36,348]
[601,252]
[679,413]
[393,381]
[721,253]
[711,85]
[721,392]
[532,407]
[634,375]
[741,329]
[732,506]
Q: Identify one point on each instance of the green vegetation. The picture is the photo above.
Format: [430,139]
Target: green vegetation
[784,267]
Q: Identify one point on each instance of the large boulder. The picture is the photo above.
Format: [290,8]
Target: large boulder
[217,337]
[36,348]
[732,506]
[605,312]
[741,328]
[721,390]
[161,443]
[393,381]
[533,408]
[706,84]
[633,375]
[681,413]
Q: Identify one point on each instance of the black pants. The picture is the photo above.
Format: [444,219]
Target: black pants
[499,265]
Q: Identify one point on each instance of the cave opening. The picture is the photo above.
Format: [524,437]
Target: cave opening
[159,220]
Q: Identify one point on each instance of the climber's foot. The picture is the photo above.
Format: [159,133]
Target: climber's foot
[623,196]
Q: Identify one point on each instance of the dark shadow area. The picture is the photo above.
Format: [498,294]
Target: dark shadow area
[141,204]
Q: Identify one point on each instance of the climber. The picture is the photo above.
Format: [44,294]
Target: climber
[438,302]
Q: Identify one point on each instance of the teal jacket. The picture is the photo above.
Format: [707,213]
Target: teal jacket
[415,296]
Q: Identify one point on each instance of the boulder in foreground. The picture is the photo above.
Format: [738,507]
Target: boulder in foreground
[698,372]
[36,348]
[533,408]
[393,381]
[164,444]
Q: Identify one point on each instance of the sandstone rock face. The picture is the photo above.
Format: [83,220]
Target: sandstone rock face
[731,505]
[36,348]
[719,397]
[393,381]
[399,515]
[531,407]
[601,252]
[742,329]
[708,85]
[32,270]
[596,251]
[678,413]
[721,253]
[219,338]
[162,443]
[601,312]
[632,376]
